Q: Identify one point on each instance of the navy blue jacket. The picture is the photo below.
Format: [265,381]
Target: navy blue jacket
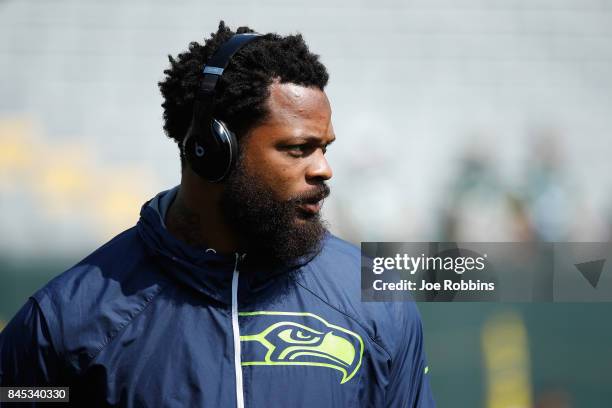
[147,321]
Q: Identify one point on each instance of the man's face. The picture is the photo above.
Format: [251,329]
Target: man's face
[274,196]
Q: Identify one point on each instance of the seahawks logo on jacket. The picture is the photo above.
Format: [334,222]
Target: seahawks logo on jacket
[304,339]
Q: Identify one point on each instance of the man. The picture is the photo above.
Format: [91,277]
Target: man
[229,292]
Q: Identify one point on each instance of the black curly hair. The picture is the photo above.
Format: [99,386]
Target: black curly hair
[243,89]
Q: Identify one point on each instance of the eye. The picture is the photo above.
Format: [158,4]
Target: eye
[298,150]
[297,336]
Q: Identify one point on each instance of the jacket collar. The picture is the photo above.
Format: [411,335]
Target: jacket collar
[206,271]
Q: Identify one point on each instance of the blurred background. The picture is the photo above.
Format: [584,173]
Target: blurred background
[464,120]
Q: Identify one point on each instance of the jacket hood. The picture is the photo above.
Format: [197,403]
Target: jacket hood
[204,270]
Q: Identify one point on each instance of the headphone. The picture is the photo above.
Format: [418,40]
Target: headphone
[209,146]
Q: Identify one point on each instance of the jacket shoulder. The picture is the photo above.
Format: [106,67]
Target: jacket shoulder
[86,306]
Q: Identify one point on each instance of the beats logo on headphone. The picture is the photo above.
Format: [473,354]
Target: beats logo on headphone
[209,146]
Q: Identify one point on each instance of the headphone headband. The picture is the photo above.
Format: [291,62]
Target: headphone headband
[219,61]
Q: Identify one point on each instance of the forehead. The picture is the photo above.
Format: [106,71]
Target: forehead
[289,103]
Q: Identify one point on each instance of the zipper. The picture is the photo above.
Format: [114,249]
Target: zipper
[236,334]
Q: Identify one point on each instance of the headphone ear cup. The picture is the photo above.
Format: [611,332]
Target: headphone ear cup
[212,154]
[226,148]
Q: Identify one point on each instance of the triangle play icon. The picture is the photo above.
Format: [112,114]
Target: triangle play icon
[591,270]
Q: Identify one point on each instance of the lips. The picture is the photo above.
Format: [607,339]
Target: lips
[312,208]
[310,204]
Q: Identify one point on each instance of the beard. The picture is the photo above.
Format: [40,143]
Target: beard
[272,231]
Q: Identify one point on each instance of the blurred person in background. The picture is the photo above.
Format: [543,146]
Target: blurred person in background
[558,204]
[229,291]
[547,194]
[478,206]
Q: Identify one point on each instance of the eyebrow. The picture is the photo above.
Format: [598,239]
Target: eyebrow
[308,139]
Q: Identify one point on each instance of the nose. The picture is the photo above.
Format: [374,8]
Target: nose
[319,169]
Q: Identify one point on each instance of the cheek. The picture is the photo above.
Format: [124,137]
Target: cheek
[284,177]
